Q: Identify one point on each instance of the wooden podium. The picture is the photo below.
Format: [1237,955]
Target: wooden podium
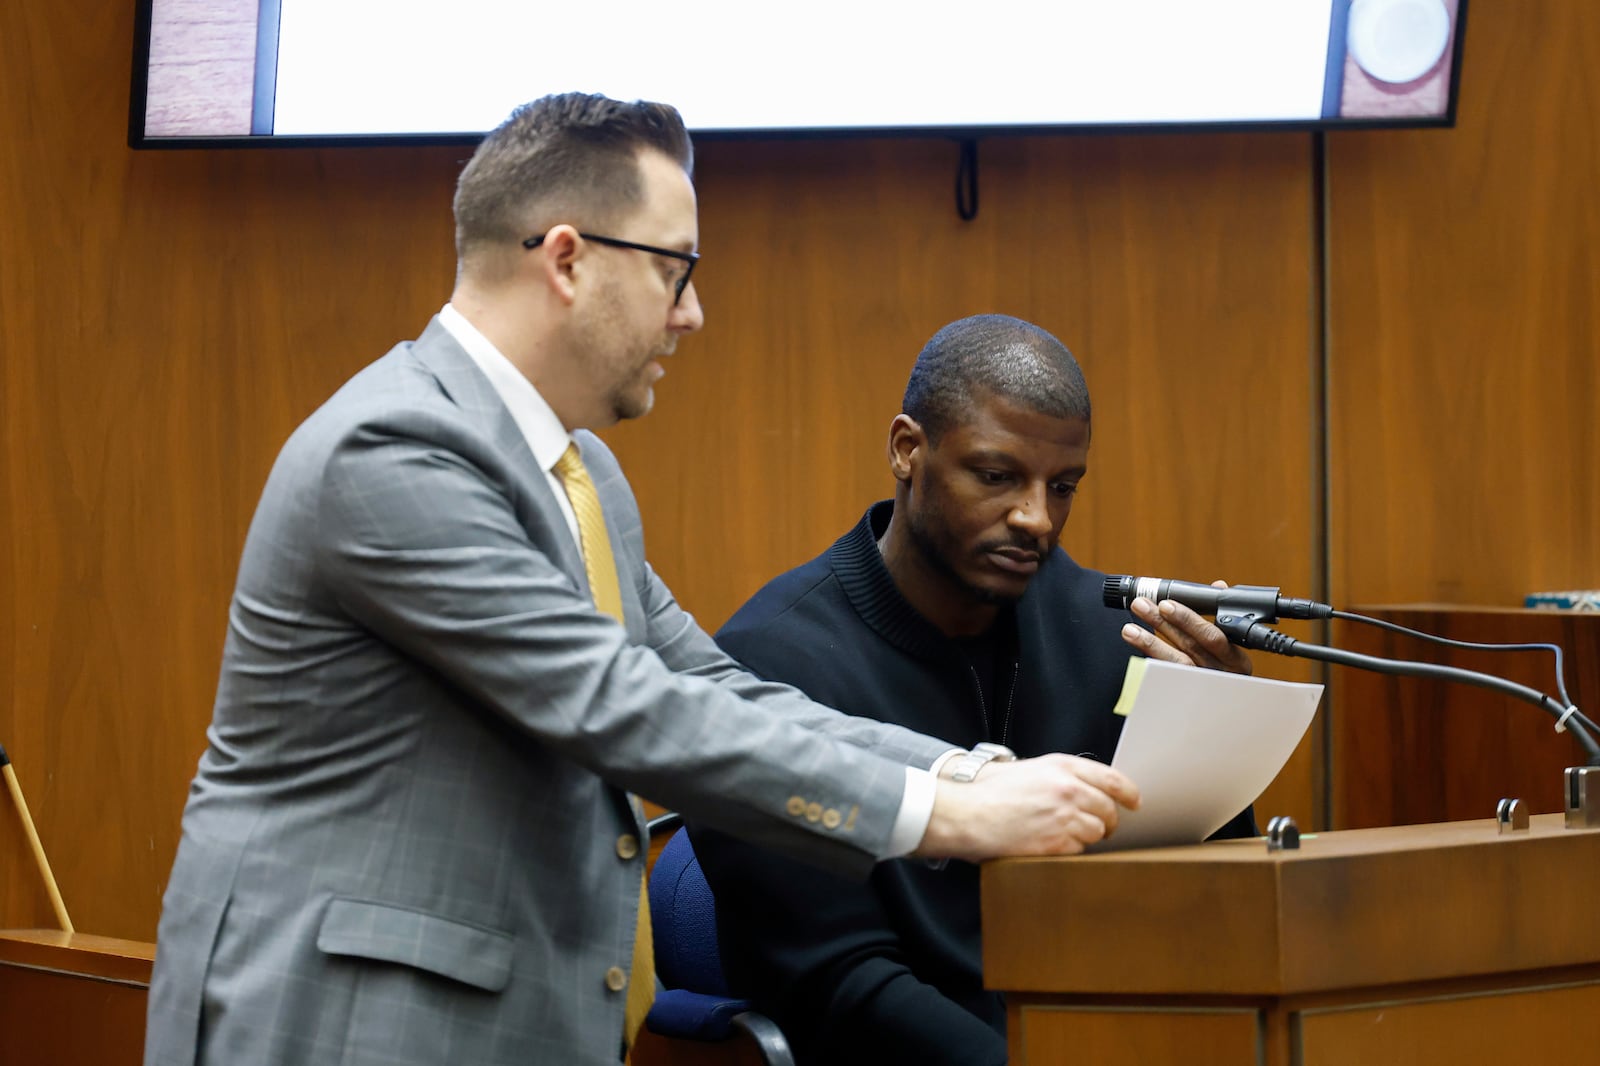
[1446,943]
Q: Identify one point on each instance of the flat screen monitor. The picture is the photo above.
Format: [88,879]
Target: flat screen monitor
[252,72]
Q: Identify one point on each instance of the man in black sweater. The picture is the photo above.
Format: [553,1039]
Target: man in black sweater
[951,610]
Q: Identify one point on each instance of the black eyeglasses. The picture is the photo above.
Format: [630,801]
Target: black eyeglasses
[687,257]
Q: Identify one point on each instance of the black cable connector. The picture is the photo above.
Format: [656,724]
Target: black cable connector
[967,181]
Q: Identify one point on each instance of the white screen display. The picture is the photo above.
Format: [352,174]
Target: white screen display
[351,68]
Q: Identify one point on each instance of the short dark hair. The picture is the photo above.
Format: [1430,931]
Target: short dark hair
[995,355]
[571,157]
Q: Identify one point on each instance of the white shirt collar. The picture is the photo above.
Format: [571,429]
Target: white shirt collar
[547,438]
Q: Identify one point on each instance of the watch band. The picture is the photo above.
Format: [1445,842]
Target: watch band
[967,765]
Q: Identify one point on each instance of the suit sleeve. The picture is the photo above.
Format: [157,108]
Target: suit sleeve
[688,650]
[820,955]
[419,544]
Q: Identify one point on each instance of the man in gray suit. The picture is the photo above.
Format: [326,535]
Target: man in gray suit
[411,838]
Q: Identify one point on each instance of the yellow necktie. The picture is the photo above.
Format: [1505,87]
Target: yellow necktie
[601,569]
[598,564]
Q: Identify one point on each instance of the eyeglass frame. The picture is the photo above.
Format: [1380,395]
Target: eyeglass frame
[614,242]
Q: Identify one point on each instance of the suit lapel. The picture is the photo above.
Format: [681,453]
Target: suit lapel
[466,386]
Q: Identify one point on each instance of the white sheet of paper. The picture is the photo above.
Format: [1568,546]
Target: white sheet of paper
[1201,745]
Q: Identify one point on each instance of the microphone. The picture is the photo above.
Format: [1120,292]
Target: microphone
[1242,612]
[1261,602]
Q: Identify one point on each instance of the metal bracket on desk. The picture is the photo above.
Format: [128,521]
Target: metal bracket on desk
[1583,797]
[1511,815]
[1283,834]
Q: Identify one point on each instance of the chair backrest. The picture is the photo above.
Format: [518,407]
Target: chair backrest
[684,914]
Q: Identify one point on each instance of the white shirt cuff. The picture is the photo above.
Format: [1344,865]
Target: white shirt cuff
[916,807]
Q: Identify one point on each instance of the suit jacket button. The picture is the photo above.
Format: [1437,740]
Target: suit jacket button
[813,811]
[616,979]
[627,846]
[797,805]
[830,818]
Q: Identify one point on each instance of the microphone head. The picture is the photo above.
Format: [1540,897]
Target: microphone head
[1117,591]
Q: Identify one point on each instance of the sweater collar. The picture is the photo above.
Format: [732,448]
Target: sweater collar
[859,566]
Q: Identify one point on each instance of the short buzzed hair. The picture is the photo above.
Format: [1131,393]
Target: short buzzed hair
[994,355]
[569,158]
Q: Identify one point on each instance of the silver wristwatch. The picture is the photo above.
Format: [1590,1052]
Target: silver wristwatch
[969,763]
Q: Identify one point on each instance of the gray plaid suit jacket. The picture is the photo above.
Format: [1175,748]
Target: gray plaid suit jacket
[404,843]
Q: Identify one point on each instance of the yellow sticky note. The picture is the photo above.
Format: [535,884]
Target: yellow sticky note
[1130,685]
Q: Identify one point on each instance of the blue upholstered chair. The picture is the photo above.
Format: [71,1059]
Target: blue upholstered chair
[696,1003]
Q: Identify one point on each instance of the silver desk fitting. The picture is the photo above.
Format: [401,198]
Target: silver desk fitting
[1511,815]
[1583,797]
[1283,834]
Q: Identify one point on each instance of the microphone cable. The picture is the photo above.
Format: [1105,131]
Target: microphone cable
[1571,711]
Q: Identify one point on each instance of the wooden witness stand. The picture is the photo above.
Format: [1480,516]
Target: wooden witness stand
[66,998]
[1407,750]
[1445,943]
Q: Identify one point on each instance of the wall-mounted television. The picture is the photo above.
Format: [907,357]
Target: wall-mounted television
[261,72]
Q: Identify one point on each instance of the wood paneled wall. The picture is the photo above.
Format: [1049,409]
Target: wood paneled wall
[168,317]
[1464,272]
[1178,269]
[1464,384]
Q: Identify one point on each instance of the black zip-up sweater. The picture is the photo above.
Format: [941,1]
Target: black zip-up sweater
[889,971]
